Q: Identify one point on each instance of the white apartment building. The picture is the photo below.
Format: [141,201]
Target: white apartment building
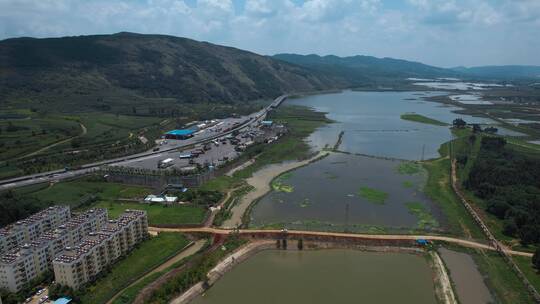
[80,264]
[30,228]
[24,263]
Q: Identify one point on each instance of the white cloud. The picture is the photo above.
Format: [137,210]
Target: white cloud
[444,32]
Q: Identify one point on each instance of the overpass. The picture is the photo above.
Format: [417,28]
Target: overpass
[336,236]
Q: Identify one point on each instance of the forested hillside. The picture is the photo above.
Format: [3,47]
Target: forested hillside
[116,72]
[509,182]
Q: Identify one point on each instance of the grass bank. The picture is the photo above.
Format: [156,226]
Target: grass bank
[148,255]
[88,193]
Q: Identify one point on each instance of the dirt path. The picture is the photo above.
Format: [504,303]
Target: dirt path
[397,237]
[443,286]
[83,132]
[197,245]
[261,182]
[222,267]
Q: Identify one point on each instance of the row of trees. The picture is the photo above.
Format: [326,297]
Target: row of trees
[509,183]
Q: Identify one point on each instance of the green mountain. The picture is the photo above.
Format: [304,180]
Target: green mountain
[364,69]
[104,71]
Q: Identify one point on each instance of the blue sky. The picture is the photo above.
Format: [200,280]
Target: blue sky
[439,32]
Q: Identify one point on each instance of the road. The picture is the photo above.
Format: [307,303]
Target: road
[202,137]
[305,233]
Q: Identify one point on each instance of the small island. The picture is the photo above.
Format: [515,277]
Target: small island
[422,119]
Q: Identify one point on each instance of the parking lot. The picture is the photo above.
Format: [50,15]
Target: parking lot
[213,153]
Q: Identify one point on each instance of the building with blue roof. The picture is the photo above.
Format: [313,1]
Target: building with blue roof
[180,134]
[62,301]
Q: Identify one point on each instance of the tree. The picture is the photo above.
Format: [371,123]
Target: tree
[476,128]
[536,259]
[459,123]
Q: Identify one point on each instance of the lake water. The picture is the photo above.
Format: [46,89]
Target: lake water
[325,276]
[469,283]
[317,197]
[372,124]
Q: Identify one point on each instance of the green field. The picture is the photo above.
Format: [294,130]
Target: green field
[422,119]
[527,268]
[19,137]
[373,195]
[47,137]
[158,214]
[84,193]
[149,254]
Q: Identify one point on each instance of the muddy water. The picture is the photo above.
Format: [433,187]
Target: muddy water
[468,281]
[372,123]
[326,276]
[319,194]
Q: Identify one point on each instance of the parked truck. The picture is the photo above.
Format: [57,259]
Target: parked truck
[162,164]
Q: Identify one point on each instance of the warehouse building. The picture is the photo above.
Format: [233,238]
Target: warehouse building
[180,134]
[80,264]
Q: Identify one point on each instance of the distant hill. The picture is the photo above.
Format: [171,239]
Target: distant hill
[501,72]
[81,70]
[360,69]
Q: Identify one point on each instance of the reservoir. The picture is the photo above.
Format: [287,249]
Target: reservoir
[325,276]
[372,124]
[335,194]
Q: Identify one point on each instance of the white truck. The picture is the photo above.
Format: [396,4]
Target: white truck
[162,164]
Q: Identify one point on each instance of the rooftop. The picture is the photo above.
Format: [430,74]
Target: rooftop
[45,213]
[181,132]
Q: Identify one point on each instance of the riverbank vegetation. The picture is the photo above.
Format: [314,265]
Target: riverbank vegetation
[422,119]
[196,272]
[507,182]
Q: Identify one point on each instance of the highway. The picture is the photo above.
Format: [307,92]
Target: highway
[202,137]
[334,235]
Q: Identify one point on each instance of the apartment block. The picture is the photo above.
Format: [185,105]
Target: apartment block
[30,228]
[80,264]
[24,263]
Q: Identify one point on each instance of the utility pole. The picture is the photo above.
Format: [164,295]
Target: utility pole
[347,217]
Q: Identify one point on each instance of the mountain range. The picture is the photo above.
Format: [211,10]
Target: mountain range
[127,66]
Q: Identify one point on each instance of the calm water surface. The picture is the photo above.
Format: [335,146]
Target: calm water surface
[372,123]
[322,192]
[469,283]
[325,276]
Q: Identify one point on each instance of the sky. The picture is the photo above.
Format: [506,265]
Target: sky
[444,33]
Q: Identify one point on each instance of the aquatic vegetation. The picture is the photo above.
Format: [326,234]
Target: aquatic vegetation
[373,195]
[279,185]
[425,219]
[408,184]
[305,203]
[330,175]
[409,168]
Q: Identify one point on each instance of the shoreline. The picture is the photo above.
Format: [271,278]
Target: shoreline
[261,180]
[443,287]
